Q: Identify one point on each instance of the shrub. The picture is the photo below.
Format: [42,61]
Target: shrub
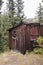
[40,41]
[38,50]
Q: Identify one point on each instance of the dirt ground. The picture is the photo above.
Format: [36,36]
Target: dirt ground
[15,58]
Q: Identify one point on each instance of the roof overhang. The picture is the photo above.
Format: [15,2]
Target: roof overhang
[25,23]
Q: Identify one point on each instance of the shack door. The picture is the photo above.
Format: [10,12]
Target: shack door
[34,35]
[14,40]
[14,43]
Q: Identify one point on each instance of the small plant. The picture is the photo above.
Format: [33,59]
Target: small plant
[40,41]
[38,51]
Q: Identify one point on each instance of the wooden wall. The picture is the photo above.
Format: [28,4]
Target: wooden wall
[20,38]
[10,39]
[41,30]
[27,42]
[23,37]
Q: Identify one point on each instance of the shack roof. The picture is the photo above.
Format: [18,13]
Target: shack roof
[16,25]
[25,23]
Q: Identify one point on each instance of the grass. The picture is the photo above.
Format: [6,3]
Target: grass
[16,58]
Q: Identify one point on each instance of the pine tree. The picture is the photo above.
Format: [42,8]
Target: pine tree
[42,0]
[0,5]
[20,13]
[11,12]
[1,43]
[40,13]
[6,26]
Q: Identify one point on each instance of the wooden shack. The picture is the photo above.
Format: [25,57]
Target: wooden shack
[22,36]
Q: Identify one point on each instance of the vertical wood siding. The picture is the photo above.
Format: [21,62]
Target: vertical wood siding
[24,33]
